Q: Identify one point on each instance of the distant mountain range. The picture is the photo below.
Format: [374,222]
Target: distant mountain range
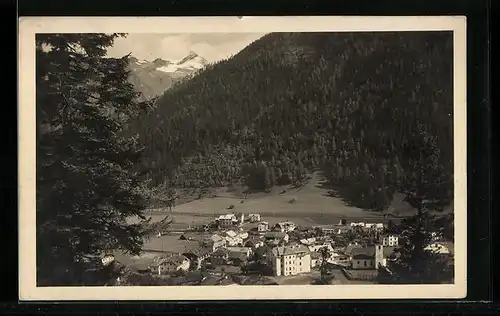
[152,78]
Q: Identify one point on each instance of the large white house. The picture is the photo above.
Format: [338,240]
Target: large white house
[215,242]
[254,217]
[172,264]
[285,227]
[390,240]
[235,238]
[290,260]
[226,221]
[263,227]
[377,226]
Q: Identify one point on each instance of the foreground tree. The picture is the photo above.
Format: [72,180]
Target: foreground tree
[427,190]
[85,187]
[325,255]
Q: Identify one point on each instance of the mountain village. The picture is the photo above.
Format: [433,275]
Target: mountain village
[244,249]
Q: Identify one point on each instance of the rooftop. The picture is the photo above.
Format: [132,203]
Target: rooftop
[274,235]
[198,251]
[290,250]
[173,260]
[221,252]
[226,217]
[370,251]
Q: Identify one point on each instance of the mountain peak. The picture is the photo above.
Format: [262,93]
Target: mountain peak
[158,62]
[192,56]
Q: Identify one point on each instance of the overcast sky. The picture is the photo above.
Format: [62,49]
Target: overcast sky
[211,46]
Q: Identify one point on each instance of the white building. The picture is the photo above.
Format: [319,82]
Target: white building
[360,224]
[247,251]
[263,227]
[308,241]
[286,227]
[107,260]
[215,242]
[438,248]
[390,240]
[290,260]
[317,247]
[226,221]
[232,238]
[377,226]
[370,257]
[333,229]
[275,238]
[254,218]
[173,263]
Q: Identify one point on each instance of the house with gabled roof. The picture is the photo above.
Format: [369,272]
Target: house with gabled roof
[290,260]
[370,257]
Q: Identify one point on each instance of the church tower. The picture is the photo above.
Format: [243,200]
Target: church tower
[379,255]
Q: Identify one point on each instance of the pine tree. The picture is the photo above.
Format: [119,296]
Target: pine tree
[427,190]
[324,255]
[86,188]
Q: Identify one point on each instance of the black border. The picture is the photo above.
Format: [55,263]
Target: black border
[478,139]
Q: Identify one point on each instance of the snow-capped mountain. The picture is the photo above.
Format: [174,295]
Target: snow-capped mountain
[152,78]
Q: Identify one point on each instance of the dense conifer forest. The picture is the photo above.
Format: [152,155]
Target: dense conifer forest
[353,105]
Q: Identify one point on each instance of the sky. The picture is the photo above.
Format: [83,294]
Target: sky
[211,46]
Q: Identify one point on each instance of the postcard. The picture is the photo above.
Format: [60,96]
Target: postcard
[242,158]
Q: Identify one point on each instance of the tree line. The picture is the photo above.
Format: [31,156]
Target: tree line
[350,104]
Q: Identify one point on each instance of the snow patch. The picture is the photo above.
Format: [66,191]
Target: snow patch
[168,68]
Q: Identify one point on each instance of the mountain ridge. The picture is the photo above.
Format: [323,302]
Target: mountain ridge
[153,78]
[350,104]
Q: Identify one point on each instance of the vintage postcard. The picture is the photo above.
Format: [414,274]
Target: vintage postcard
[244,158]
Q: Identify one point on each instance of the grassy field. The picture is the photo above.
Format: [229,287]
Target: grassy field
[311,200]
[311,203]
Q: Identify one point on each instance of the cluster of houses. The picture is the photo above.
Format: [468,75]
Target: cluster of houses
[232,245]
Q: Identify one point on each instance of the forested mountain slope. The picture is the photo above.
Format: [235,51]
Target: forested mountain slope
[352,104]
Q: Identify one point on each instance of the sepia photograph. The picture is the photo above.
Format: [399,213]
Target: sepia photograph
[324,159]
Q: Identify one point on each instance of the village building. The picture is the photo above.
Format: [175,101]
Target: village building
[253,218]
[317,247]
[226,221]
[438,248]
[370,257]
[290,260]
[235,238]
[263,227]
[220,257]
[244,250]
[172,264]
[359,224]
[376,226]
[107,260]
[315,259]
[333,229]
[243,235]
[215,242]
[275,238]
[285,227]
[390,240]
[308,241]
[254,242]
[197,255]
